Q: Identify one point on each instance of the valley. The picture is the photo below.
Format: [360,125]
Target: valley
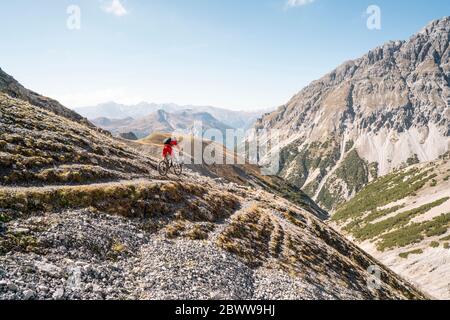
[84,216]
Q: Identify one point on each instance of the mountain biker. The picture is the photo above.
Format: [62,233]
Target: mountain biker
[169,143]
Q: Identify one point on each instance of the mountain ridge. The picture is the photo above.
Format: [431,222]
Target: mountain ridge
[13,88]
[354,120]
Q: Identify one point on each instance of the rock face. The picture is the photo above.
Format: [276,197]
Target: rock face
[14,89]
[367,117]
[128,136]
[66,233]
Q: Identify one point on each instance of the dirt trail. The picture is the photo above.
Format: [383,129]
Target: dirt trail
[59,187]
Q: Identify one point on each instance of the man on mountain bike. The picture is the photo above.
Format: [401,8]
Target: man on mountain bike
[169,143]
[168,157]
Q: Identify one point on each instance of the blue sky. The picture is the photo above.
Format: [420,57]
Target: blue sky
[239,54]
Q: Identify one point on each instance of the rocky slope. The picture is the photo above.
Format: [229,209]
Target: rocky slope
[388,109]
[83,215]
[11,87]
[403,219]
[37,147]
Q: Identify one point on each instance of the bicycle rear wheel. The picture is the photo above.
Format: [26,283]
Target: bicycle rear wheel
[163,168]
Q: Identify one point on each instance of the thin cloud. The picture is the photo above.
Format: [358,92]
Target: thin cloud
[298,3]
[116,8]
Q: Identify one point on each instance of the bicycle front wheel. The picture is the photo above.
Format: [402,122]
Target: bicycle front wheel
[178,169]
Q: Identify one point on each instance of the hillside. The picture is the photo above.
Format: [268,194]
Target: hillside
[11,87]
[241,174]
[370,116]
[403,219]
[83,216]
[38,148]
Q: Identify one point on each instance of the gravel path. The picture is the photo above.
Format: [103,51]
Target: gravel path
[59,187]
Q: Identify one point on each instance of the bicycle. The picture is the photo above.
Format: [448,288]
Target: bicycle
[166,164]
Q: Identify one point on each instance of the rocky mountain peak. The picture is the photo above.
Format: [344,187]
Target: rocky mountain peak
[387,107]
[437,26]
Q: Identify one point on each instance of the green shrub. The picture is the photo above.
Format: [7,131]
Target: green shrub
[373,170]
[434,244]
[415,233]
[405,255]
[4,217]
[370,231]
[326,198]
[349,145]
[353,171]
[413,160]
[382,192]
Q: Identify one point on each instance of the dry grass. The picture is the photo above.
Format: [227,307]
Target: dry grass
[18,243]
[153,202]
[198,232]
[175,229]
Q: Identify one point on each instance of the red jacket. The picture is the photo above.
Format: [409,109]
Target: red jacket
[168,150]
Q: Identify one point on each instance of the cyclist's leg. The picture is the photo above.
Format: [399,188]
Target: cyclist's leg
[167,159]
[171,157]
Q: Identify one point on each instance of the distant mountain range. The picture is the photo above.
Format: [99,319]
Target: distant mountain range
[112,110]
[162,121]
